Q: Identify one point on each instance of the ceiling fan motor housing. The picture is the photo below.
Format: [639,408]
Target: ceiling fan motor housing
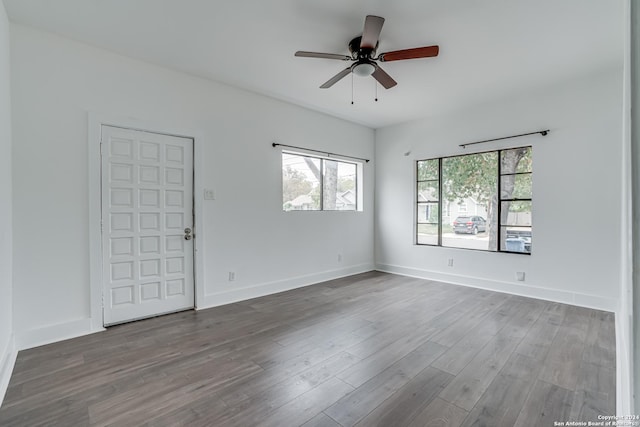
[358,52]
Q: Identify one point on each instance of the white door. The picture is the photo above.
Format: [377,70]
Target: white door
[147,218]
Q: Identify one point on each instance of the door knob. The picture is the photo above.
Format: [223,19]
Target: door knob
[187,234]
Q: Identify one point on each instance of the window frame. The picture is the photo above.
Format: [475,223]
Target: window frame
[358,178]
[500,201]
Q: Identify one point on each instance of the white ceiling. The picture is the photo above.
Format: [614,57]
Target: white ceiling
[488,48]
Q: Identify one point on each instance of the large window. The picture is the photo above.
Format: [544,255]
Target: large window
[478,201]
[317,184]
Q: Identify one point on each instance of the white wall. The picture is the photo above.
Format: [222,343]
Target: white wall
[6,327]
[56,82]
[576,192]
[634,315]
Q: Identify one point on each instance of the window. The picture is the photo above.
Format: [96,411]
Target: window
[478,201]
[428,202]
[320,184]
[515,200]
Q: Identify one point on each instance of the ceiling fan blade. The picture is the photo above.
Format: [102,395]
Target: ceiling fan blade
[371,32]
[418,52]
[383,78]
[304,54]
[335,79]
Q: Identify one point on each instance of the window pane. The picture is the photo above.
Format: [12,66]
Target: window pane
[339,186]
[516,160]
[427,234]
[516,239]
[427,169]
[300,183]
[428,191]
[427,213]
[470,232]
[516,213]
[515,186]
[470,184]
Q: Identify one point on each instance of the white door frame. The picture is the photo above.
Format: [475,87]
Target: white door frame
[96,121]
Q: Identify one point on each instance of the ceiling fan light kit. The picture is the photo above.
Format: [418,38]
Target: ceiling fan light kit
[363,69]
[363,54]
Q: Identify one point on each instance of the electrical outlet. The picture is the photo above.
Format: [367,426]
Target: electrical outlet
[339,257]
[520,276]
[209,194]
[450,262]
[232,276]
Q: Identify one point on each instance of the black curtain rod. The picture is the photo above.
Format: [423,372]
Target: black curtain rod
[275,144]
[541,132]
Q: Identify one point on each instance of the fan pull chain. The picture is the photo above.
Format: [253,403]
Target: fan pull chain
[351,88]
[376,83]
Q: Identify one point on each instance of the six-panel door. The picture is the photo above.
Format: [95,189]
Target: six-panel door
[147,203]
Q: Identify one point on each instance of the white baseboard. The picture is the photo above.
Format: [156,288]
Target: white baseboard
[624,371]
[54,333]
[236,295]
[7,362]
[573,298]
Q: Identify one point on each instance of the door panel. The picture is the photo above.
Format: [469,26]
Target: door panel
[147,203]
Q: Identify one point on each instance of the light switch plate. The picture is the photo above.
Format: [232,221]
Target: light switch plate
[209,194]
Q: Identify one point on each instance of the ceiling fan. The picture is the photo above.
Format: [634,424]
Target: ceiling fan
[363,55]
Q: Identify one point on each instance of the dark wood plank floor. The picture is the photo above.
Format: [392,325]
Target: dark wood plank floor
[369,350]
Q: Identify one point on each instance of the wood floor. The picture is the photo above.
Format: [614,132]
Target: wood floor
[368,350]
